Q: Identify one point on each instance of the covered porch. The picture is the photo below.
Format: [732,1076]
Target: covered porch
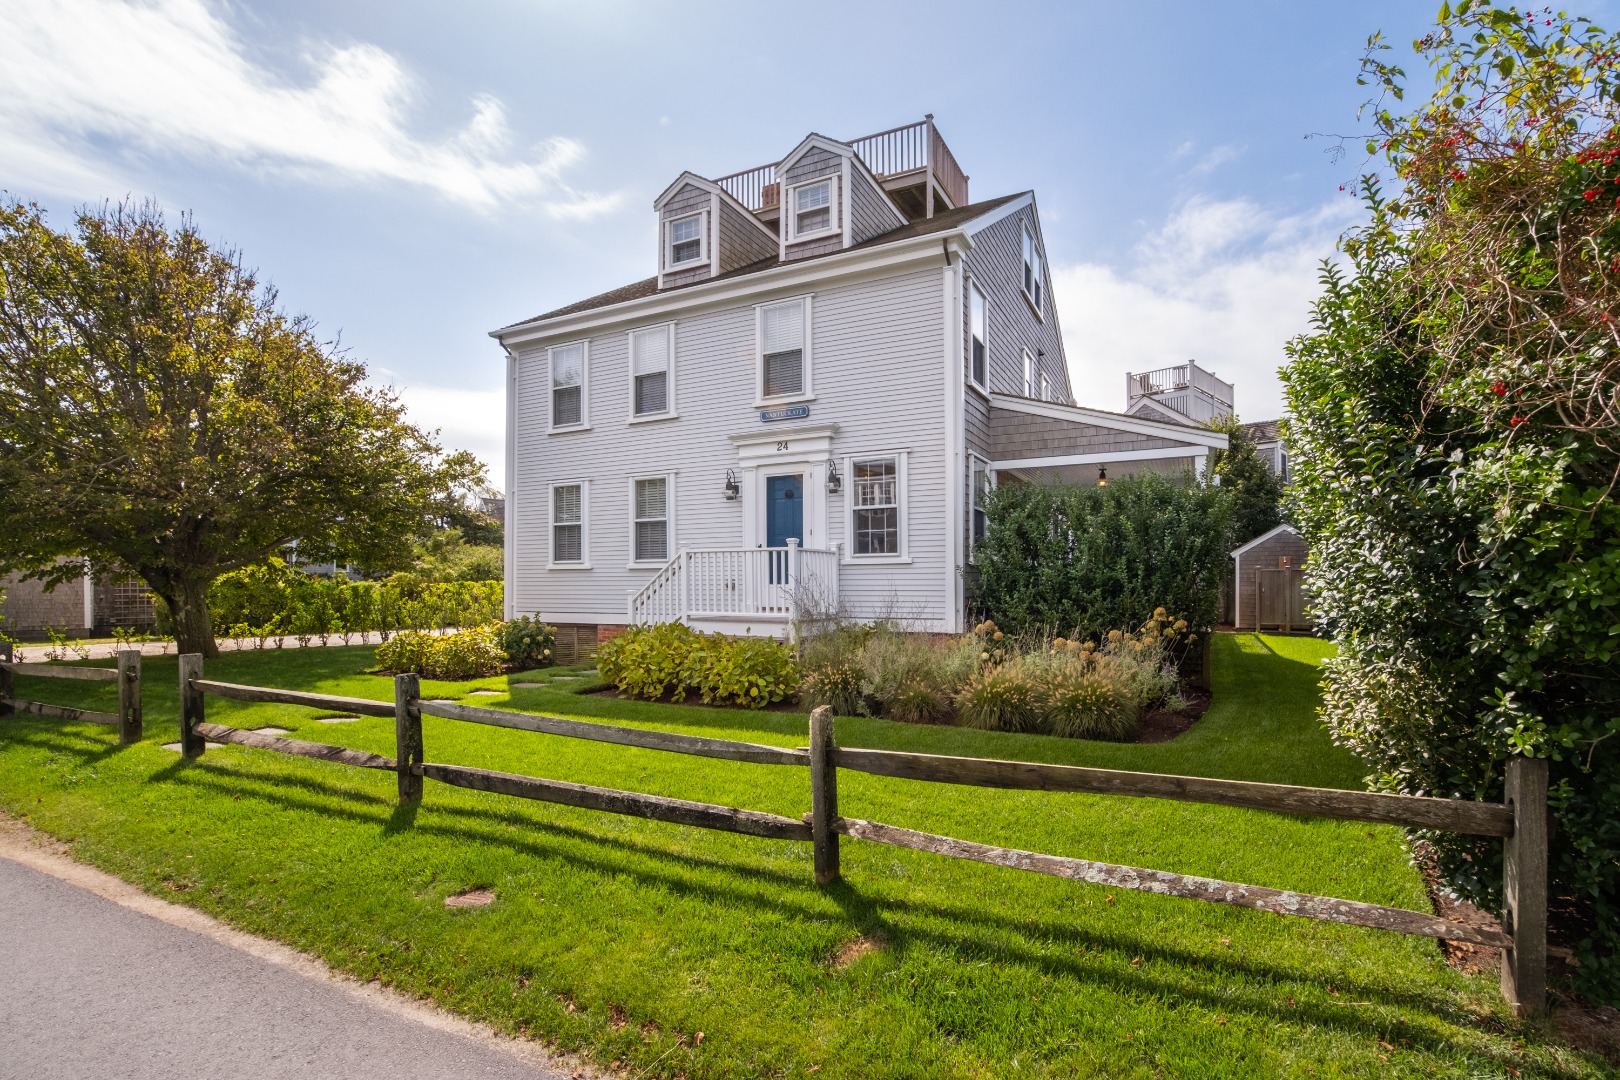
[1040,442]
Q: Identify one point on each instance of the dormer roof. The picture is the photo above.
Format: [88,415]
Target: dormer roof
[694,180]
[814,141]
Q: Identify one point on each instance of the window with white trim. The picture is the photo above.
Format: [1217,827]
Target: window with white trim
[813,209]
[1032,271]
[649,498]
[978,336]
[978,495]
[567,364]
[651,366]
[686,240]
[875,497]
[568,523]
[1029,374]
[1046,387]
[783,356]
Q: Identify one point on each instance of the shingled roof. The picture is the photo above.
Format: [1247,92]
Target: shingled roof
[941,222]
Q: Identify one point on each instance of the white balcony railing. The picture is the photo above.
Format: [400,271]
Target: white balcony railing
[772,585]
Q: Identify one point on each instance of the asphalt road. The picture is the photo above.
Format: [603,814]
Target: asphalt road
[89,988]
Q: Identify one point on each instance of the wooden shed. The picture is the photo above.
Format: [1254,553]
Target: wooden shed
[1270,579]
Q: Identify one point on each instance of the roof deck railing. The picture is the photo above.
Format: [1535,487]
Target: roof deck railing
[911,148]
[1188,376]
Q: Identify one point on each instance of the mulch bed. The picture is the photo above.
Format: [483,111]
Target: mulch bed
[1162,725]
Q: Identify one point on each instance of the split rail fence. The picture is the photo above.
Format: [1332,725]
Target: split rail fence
[127,674]
[1520,820]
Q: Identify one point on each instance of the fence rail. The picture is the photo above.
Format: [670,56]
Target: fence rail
[126,673]
[1521,820]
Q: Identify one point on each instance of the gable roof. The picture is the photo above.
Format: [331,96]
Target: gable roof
[940,223]
[1262,538]
[1264,431]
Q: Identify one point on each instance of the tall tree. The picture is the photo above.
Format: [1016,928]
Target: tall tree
[1256,491]
[161,415]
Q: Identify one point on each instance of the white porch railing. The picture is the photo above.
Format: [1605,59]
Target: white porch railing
[769,584]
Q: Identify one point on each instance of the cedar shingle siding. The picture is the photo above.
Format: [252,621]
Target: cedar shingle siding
[996,264]
[1015,435]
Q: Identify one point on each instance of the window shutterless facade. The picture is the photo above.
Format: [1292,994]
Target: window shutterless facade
[1029,374]
[569,366]
[569,539]
[877,506]
[978,493]
[652,372]
[686,240]
[1032,271]
[813,209]
[649,524]
[784,349]
[978,337]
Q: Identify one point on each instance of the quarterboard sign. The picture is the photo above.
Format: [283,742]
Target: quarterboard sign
[791,412]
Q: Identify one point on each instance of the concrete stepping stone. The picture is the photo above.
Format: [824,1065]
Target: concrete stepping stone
[272,730]
[339,720]
[526,685]
[439,701]
[496,693]
[471,898]
[208,745]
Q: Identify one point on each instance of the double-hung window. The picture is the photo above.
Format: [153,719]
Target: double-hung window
[568,523]
[651,367]
[875,503]
[649,498]
[1032,271]
[784,354]
[1029,375]
[978,331]
[812,210]
[568,374]
[1046,387]
[978,495]
[686,240]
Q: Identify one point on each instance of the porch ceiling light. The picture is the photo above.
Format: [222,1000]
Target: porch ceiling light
[733,489]
[1102,476]
[835,482]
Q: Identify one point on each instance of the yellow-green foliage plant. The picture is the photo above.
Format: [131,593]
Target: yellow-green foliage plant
[466,654]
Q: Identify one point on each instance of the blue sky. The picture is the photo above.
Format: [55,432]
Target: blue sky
[414,175]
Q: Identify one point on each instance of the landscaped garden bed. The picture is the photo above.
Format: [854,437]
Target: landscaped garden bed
[625,938]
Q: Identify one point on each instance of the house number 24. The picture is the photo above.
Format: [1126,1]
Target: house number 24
[781,446]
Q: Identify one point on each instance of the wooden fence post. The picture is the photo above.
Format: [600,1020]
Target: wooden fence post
[408,735]
[823,793]
[192,744]
[8,681]
[1524,886]
[129,696]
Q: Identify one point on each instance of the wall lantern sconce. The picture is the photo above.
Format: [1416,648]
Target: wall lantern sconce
[733,489]
[1102,476]
[835,482]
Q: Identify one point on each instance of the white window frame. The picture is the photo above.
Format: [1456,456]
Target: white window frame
[1046,387]
[807,391]
[669,412]
[584,562]
[835,215]
[902,504]
[975,291]
[670,547]
[670,265]
[974,495]
[1032,269]
[1029,374]
[584,388]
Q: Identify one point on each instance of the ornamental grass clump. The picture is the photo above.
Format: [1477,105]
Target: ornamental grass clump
[835,685]
[1006,697]
[1085,704]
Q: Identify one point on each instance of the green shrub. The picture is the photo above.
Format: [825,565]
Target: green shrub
[918,703]
[673,659]
[1103,557]
[648,661]
[465,654]
[527,642]
[1004,698]
[753,672]
[1080,704]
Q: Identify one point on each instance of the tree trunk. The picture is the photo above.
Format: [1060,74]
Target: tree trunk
[193,624]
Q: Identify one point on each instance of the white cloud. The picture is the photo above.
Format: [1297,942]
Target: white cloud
[472,420]
[170,79]
[1222,282]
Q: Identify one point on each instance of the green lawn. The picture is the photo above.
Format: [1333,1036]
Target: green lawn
[625,938]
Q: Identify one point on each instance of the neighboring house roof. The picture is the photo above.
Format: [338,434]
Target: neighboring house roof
[1262,538]
[1264,431]
[1158,410]
[941,222]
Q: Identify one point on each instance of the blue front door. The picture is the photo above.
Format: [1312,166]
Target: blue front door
[784,519]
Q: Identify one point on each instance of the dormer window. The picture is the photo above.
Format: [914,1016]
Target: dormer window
[1032,271]
[686,241]
[812,210]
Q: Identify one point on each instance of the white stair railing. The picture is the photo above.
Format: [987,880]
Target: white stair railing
[729,583]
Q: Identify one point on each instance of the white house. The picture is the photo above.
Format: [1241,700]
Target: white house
[837,353]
